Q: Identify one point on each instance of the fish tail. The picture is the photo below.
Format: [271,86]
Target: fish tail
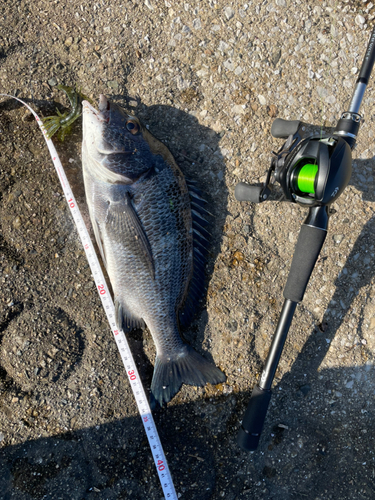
[188,367]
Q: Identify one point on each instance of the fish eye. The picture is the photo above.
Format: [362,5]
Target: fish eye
[132,127]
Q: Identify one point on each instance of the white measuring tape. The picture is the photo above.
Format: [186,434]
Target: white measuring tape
[121,341]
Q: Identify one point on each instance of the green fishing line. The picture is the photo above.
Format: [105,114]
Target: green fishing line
[306,178]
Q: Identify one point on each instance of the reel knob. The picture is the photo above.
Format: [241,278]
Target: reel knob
[254,194]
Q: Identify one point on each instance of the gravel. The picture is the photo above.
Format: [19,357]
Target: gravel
[208,79]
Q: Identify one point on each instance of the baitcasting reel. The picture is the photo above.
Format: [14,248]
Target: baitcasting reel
[313,168]
[312,171]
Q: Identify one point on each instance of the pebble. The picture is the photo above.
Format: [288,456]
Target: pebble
[149,4]
[17,223]
[113,84]
[238,109]
[360,20]
[223,46]
[337,238]
[197,25]
[229,13]
[262,100]
[229,64]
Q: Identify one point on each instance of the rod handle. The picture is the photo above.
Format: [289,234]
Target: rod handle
[306,253]
[253,420]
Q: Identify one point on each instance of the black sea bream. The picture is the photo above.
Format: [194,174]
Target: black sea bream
[149,236]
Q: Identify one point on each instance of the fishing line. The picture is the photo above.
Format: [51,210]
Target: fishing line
[119,336]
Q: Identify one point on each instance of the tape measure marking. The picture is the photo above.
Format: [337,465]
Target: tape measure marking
[144,409]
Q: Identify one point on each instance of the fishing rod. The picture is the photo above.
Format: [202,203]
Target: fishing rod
[313,168]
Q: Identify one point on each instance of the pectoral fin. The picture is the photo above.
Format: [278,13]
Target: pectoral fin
[122,223]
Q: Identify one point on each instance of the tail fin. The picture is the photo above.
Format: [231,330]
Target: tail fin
[188,367]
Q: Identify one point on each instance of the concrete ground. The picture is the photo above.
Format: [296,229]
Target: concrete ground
[208,78]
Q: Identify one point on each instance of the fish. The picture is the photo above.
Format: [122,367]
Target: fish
[150,226]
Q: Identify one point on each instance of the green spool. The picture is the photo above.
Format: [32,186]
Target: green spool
[306,178]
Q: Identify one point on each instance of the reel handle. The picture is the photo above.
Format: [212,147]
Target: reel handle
[284,128]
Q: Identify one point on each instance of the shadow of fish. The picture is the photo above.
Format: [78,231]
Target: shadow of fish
[151,239]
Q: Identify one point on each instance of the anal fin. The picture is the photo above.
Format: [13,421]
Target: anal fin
[125,319]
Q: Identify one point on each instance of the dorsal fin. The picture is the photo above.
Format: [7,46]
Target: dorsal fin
[201,241]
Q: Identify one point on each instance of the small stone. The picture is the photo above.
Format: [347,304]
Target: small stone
[275,57]
[202,73]
[17,223]
[229,64]
[223,46]
[331,99]
[229,12]
[337,238]
[197,25]
[360,20]
[149,5]
[68,42]
[272,111]
[232,326]
[281,3]
[238,109]
[262,100]
[52,82]
[238,255]
[113,84]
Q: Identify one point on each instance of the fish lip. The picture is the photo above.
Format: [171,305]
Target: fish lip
[102,114]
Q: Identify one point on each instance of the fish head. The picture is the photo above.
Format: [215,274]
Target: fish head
[113,140]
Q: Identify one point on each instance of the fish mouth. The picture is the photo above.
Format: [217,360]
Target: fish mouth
[102,115]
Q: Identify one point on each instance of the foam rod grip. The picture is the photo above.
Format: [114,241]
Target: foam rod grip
[306,253]
[284,128]
[253,420]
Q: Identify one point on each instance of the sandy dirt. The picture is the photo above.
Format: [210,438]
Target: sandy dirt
[208,79]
